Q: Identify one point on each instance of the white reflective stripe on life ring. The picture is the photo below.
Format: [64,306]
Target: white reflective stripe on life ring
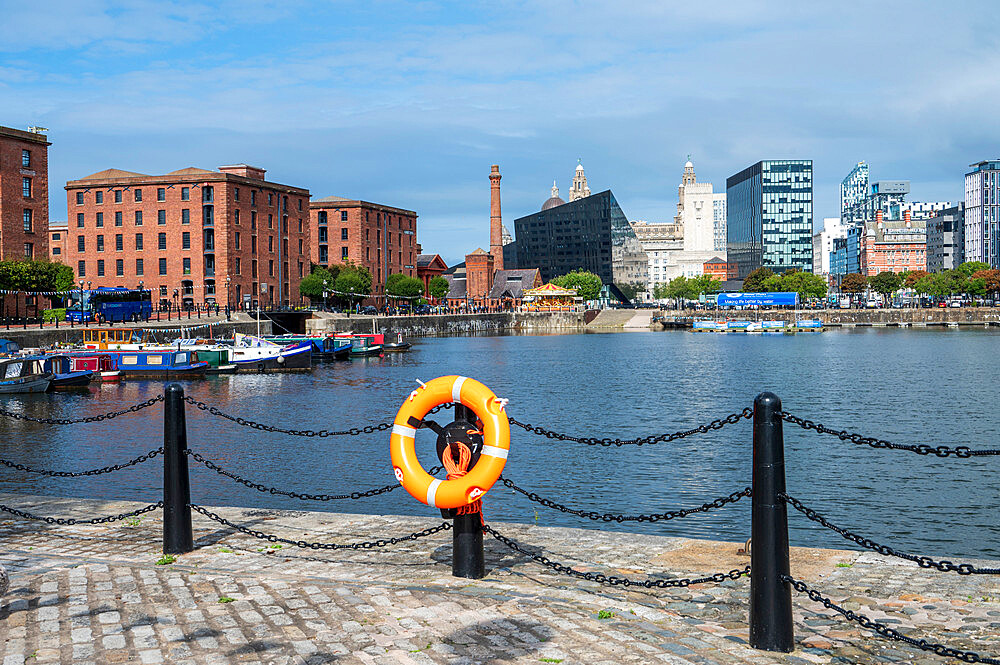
[494,451]
[432,491]
[403,430]
[456,390]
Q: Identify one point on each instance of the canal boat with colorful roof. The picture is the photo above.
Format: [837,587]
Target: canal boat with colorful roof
[104,365]
[64,376]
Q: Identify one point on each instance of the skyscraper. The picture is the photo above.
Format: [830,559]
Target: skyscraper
[769,222]
[982,187]
[853,190]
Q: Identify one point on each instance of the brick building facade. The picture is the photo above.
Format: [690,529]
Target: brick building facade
[893,246]
[58,233]
[191,236]
[24,194]
[378,237]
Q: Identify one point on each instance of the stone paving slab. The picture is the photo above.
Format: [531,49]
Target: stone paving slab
[95,594]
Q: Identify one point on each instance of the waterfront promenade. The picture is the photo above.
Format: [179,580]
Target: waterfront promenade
[95,594]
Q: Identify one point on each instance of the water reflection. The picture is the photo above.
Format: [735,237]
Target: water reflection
[910,386]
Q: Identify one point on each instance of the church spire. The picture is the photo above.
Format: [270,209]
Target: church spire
[579,189]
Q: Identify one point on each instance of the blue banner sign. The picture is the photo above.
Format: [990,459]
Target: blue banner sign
[759,299]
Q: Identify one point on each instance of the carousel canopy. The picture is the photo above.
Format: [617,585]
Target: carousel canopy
[550,290]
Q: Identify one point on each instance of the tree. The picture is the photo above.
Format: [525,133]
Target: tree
[587,284]
[854,283]
[991,280]
[806,284]
[912,277]
[969,268]
[316,282]
[678,288]
[438,287]
[354,282]
[885,283]
[754,282]
[404,286]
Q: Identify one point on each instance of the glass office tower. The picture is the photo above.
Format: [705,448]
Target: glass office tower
[769,221]
[591,233]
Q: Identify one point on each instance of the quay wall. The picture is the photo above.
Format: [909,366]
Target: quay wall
[49,336]
[863,317]
[450,324]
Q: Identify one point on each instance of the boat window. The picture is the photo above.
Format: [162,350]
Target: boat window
[181,359]
[154,360]
[13,371]
[130,360]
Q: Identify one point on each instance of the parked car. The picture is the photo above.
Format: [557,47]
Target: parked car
[369,309]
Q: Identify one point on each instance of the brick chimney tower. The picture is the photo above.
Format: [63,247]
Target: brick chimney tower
[496,221]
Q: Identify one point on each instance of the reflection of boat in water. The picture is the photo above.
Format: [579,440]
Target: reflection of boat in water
[398,345]
[64,376]
[23,375]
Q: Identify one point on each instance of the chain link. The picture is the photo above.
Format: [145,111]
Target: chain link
[614,580]
[70,522]
[922,561]
[88,419]
[614,517]
[365,545]
[354,431]
[295,495]
[75,474]
[731,419]
[921,449]
[886,631]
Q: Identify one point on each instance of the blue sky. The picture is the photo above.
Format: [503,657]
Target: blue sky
[408,103]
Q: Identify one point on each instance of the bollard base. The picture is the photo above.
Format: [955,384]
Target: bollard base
[467,559]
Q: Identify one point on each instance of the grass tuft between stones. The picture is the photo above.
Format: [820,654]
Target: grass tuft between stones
[226,599]
[605,614]
[166,560]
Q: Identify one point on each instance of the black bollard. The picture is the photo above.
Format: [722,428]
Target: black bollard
[770,597]
[467,557]
[177,536]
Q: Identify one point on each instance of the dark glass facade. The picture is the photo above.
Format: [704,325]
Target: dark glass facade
[769,220]
[591,233]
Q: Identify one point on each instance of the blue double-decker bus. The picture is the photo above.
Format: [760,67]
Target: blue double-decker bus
[109,304]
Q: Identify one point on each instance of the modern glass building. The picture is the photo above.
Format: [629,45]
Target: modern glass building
[769,221]
[982,210]
[853,257]
[591,233]
[853,190]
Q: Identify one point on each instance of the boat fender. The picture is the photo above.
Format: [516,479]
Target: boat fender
[471,487]
[281,360]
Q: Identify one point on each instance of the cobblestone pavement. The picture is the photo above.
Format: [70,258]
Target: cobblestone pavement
[95,594]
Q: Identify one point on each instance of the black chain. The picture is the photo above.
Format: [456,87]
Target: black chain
[922,561]
[886,631]
[731,419]
[92,472]
[921,449]
[613,580]
[295,495]
[614,517]
[71,522]
[365,545]
[89,419]
[354,431]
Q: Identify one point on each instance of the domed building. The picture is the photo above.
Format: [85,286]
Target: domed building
[553,200]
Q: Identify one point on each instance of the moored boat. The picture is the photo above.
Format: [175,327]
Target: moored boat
[160,363]
[23,375]
[398,345]
[324,347]
[256,354]
[104,365]
[63,374]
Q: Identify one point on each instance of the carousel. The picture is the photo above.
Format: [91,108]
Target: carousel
[551,298]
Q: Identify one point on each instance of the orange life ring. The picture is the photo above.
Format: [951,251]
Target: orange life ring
[496,442]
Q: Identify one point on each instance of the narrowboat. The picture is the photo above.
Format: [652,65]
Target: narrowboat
[256,354]
[23,375]
[363,344]
[63,374]
[104,365]
[130,339]
[160,363]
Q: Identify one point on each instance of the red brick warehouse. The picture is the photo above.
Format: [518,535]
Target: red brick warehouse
[192,236]
[379,237]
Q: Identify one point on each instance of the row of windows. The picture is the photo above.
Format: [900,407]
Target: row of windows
[322,234]
[209,242]
[207,195]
